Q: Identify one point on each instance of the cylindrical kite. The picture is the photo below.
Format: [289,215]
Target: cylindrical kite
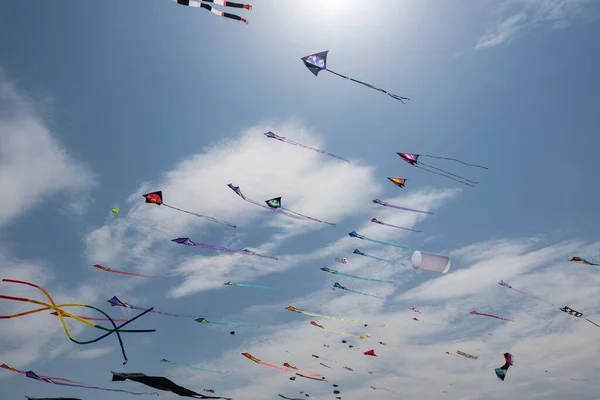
[430,262]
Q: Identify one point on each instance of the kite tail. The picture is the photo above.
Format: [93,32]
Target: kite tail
[202,216]
[256,286]
[223,14]
[230,4]
[364,279]
[386,243]
[395,226]
[454,159]
[445,173]
[394,96]
[377,201]
[225,324]
[364,294]
[310,218]
[283,139]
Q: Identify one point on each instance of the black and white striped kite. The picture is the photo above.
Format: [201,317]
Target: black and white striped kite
[192,3]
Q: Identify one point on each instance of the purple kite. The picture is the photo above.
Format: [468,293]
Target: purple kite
[284,139]
[412,159]
[274,205]
[188,242]
[318,62]
[376,221]
[383,203]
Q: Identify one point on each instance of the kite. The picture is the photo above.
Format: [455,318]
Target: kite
[56,381]
[359,236]
[197,4]
[325,365]
[501,372]
[376,221]
[209,390]
[288,398]
[58,308]
[92,318]
[460,353]
[322,379]
[388,390]
[400,182]
[232,333]
[192,367]
[157,198]
[252,286]
[370,353]
[383,203]
[188,242]
[288,365]
[430,262]
[332,361]
[332,271]
[274,204]
[342,260]
[582,260]
[417,311]
[116,302]
[203,320]
[294,309]
[360,253]
[160,383]
[338,332]
[51,398]
[4,366]
[318,62]
[490,315]
[338,286]
[271,135]
[256,360]
[565,309]
[115,210]
[412,159]
[126,273]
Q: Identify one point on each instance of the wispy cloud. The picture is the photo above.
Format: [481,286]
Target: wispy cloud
[91,353]
[520,15]
[33,164]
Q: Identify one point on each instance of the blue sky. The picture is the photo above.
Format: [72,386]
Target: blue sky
[102,102]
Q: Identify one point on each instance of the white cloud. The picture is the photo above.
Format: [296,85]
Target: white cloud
[415,362]
[91,354]
[532,14]
[33,164]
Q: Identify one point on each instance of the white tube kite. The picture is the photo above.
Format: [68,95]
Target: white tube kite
[430,262]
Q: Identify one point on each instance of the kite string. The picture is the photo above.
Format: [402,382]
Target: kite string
[370,86]
[445,172]
[454,159]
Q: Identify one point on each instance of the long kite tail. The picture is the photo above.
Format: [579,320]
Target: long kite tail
[386,243]
[127,273]
[454,159]
[206,217]
[307,217]
[312,314]
[286,140]
[252,286]
[192,3]
[313,323]
[331,271]
[419,165]
[383,203]
[364,294]
[375,220]
[394,96]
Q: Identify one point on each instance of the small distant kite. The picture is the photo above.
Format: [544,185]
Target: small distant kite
[294,309]
[197,4]
[271,135]
[412,159]
[160,383]
[126,273]
[157,198]
[383,203]
[490,315]
[275,205]
[370,353]
[400,182]
[417,311]
[360,253]
[342,260]
[501,372]
[188,242]
[318,62]
[115,210]
[338,286]
[252,286]
[582,260]
[376,221]
[461,353]
[359,236]
[203,320]
[264,364]
[332,271]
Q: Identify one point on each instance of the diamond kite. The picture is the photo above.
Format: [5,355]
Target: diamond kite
[157,198]
[271,135]
[318,62]
[412,159]
[274,204]
[376,221]
[197,4]
[115,210]
[400,182]
[188,242]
